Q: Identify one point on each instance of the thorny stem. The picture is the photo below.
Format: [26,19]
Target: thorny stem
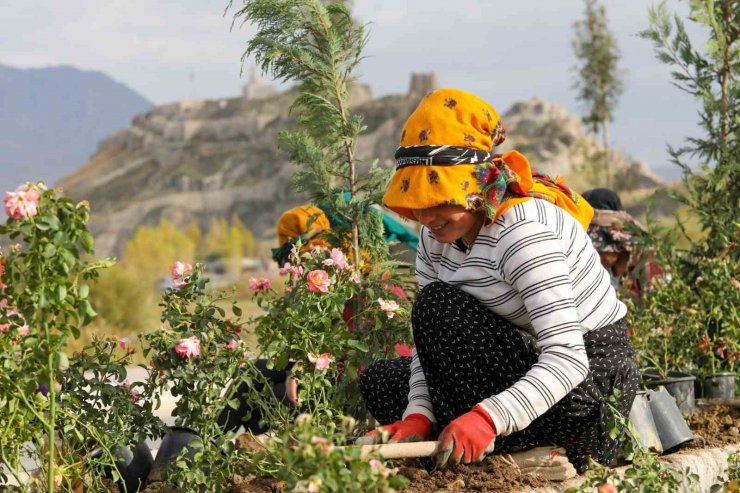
[50,424]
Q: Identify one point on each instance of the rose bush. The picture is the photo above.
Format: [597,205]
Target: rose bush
[46,397]
[198,356]
[331,321]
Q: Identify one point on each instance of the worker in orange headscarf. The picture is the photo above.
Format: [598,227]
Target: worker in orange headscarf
[519,336]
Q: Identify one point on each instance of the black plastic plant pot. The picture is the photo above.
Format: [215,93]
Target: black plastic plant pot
[719,385]
[679,384]
[669,422]
[173,444]
[642,420]
[133,466]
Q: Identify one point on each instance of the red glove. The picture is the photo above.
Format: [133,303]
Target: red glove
[414,428]
[468,438]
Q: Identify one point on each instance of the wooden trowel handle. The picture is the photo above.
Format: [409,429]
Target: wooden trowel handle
[399,450]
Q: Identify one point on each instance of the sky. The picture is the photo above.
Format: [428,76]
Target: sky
[169,50]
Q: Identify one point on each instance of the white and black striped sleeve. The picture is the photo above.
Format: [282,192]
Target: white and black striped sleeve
[419,401]
[533,262]
[426,270]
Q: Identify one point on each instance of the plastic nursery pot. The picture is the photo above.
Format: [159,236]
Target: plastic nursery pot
[679,384]
[642,420]
[670,424]
[172,446]
[719,385]
[133,466]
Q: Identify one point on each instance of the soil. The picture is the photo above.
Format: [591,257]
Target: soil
[492,475]
[719,425]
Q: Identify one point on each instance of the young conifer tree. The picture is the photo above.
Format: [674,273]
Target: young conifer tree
[599,82]
[710,75]
[318,45]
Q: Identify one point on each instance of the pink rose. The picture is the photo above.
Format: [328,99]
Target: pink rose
[135,395]
[179,271]
[259,284]
[321,362]
[124,342]
[403,349]
[22,203]
[606,488]
[337,259]
[285,269]
[326,445]
[388,306]
[232,345]
[4,327]
[23,330]
[318,281]
[188,347]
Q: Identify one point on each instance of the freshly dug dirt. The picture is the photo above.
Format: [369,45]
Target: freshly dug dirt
[719,425]
[248,442]
[251,484]
[492,475]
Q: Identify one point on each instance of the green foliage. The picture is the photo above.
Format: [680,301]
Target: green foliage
[319,45]
[710,76]
[203,379]
[689,318]
[733,466]
[645,474]
[333,317]
[307,322]
[599,83]
[44,301]
[308,460]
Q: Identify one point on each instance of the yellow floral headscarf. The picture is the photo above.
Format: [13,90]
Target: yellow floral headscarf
[446,157]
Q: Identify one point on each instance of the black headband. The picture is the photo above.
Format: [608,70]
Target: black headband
[439,156]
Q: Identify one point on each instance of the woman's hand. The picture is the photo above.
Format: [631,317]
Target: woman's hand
[415,428]
[468,438]
[291,390]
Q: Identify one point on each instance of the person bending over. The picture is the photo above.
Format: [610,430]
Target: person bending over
[519,336]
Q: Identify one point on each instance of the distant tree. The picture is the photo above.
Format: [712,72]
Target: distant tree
[711,77]
[152,250]
[248,246]
[214,240]
[600,80]
[318,44]
[193,231]
[228,242]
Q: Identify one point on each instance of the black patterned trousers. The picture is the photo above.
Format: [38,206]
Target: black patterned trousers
[470,354]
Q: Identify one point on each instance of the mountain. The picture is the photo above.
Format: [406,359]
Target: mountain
[214,158]
[51,120]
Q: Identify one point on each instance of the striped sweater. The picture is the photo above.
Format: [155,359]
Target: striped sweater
[536,267]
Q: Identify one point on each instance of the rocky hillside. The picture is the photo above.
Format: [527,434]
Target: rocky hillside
[52,118]
[201,159]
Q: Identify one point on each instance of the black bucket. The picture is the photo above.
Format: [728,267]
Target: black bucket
[178,439]
[719,385]
[133,466]
[680,385]
[669,422]
[644,425]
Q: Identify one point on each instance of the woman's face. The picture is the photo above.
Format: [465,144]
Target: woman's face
[450,222]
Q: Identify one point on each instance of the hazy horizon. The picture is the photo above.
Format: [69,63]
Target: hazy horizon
[505,53]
